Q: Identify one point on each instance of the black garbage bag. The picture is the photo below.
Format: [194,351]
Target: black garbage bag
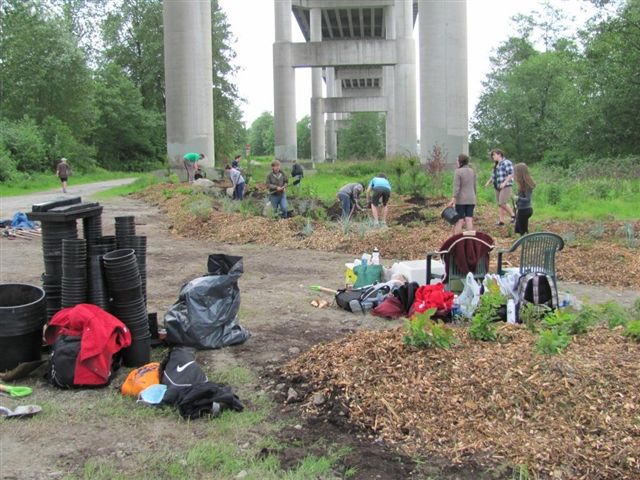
[206,313]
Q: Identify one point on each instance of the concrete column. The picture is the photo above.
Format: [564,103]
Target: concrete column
[443,78]
[405,80]
[330,129]
[317,115]
[388,79]
[188,79]
[284,85]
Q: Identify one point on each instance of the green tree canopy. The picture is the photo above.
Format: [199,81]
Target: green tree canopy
[261,134]
[363,137]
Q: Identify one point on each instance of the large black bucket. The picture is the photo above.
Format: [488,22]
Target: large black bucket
[22,315]
[450,215]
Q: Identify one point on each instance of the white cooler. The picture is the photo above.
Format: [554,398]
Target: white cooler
[416,270]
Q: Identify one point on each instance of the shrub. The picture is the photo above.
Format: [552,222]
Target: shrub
[8,170]
[531,315]
[632,330]
[552,341]
[613,314]
[554,194]
[483,326]
[568,322]
[307,230]
[424,332]
[24,142]
[201,207]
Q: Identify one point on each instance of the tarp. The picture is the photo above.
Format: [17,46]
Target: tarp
[206,312]
[20,220]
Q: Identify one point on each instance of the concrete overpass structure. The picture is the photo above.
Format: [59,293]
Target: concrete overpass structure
[364,52]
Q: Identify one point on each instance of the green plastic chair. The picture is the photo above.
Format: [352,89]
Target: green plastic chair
[454,281]
[537,254]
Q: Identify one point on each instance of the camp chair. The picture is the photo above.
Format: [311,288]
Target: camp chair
[475,246]
[537,253]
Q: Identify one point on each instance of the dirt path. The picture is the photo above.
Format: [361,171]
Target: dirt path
[275,308]
[22,203]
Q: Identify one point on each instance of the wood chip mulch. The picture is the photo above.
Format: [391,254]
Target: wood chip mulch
[605,260]
[574,415]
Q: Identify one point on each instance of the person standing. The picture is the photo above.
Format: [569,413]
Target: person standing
[237,180]
[190,161]
[502,180]
[464,194]
[379,189]
[63,170]
[236,162]
[297,173]
[348,197]
[276,183]
[524,203]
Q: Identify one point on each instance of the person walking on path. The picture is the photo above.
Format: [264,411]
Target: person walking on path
[524,203]
[297,173]
[379,189]
[464,194]
[63,170]
[276,183]
[190,160]
[348,197]
[237,180]
[502,180]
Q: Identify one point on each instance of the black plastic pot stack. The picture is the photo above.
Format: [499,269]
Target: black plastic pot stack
[125,227]
[92,229]
[138,243]
[74,272]
[53,233]
[128,304]
[97,293]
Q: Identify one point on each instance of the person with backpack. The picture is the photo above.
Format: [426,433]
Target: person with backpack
[297,173]
[379,189]
[502,180]
[464,194]
[524,207]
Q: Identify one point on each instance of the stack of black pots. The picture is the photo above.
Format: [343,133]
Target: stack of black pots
[52,235]
[92,229]
[74,272]
[138,244]
[125,227]
[128,303]
[98,293]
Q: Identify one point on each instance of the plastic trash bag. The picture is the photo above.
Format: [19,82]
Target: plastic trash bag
[206,312]
[508,283]
[470,296]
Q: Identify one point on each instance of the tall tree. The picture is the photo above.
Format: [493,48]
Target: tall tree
[261,134]
[303,131]
[363,137]
[43,73]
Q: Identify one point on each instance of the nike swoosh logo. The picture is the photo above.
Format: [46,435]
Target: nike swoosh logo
[180,368]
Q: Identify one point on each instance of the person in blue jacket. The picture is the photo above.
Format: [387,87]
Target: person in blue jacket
[379,190]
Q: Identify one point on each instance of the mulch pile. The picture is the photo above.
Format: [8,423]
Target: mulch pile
[414,230]
[575,415]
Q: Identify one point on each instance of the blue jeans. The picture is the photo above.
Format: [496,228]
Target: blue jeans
[238,192]
[279,201]
[345,201]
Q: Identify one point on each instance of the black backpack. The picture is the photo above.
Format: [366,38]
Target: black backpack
[538,289]
[361,299]
[180,369]
[62,362]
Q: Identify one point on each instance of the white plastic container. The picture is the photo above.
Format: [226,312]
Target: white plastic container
[416,270]
[511,311]
[375,257]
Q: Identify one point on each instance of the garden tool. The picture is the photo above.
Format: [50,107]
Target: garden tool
[21,411]
[318,288]
[16,392]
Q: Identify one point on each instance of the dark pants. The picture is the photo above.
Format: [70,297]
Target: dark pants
[345,201]
[279,201]
[238,191]
[522,220]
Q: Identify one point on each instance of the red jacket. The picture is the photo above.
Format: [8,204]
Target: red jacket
[102,336]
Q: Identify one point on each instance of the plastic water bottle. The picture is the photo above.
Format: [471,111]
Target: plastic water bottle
[511,311]
[455,308]
[375,256]
[363,261]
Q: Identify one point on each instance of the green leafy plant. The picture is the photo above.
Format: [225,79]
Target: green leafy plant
[531,315]
[201,207]
[307,230]
[552,341]
[173,179]
[424,332]
[614,314]
[483,326]
[554,194]
[629,233]
[632,330]
[567,321]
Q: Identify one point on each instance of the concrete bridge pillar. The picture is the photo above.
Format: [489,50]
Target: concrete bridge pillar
[317,114]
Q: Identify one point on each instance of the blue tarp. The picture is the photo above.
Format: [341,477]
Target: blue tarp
[20,220]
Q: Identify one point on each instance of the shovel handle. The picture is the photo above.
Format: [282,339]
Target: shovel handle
[16,391]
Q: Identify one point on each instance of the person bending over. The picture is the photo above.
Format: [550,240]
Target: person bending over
[348,197]
[379,189]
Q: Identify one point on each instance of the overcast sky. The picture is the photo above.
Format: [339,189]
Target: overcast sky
[252,23]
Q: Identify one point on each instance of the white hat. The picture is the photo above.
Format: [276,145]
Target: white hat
[63,159]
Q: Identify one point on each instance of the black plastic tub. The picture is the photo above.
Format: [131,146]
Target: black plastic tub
[22,315]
